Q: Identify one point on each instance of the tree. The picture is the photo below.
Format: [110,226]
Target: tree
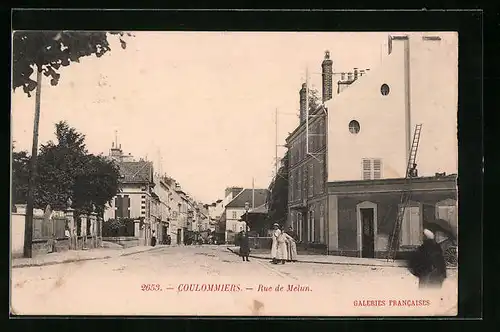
[277,199]
[20,176]
[66,170]
[314,99]
[44,52]
[49,50]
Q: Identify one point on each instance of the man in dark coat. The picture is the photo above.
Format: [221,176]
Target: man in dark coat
[244,246]
[427,263]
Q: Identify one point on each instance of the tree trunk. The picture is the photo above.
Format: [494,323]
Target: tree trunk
[28,228]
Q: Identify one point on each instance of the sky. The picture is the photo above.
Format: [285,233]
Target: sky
[200,105]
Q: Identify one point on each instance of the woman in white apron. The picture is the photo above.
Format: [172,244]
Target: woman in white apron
[274,246]
[291,246]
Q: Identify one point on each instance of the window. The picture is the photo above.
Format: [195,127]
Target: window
[311,179]
[292,188]
[321,177]
[304,183]
[447,210]
[234,215]
[384,89]
[299,184]
[300,226]
[372,168]
[411,227]
[354,127]
[321,223]
[311,226]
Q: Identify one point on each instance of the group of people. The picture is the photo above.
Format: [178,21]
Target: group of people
[283,247]
[427,262]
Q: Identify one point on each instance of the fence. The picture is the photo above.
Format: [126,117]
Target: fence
[50,230]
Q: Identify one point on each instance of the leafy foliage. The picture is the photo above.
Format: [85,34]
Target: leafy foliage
[49,50]
[277,199]
[20,176]
[314,99]
[65,170]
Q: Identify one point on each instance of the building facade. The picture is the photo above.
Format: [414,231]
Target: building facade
[235,209]
[346,187]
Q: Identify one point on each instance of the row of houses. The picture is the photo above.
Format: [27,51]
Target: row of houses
[349,155]
[157,200]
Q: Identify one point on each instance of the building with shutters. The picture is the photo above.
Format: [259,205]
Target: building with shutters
[347,169]
[144,196]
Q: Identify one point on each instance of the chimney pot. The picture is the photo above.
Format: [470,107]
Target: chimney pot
[327,73]
[349,76]
[355,73]
[303,102]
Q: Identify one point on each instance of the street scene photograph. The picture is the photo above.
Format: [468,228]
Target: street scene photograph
[161,173]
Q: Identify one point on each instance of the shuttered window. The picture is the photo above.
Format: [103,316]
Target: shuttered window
[411,227]
[321,223]
[299,184]
[371,168]
[311,179]
[447,210]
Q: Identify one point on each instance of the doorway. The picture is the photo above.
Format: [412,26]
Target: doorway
[179,236]
[368,232]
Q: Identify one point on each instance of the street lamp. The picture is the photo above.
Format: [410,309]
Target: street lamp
[247,207]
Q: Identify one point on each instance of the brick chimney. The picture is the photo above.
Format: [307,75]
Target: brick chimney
[303,102]
[327,73]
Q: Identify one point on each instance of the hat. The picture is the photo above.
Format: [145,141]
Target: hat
[276,224]
[428,234]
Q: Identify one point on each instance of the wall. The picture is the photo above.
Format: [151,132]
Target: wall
[17,233]
[135,193]
[381,119]
[230,221]
[383,127]
[387,204]
[126,242]
[434,101]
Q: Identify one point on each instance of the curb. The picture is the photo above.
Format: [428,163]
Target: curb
[326,263]
[74,260]
[339,263]
[62,262]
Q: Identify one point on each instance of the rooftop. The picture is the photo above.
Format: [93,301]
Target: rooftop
[245,195]
[136,171]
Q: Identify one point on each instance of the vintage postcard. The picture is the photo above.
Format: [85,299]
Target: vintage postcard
[234,173]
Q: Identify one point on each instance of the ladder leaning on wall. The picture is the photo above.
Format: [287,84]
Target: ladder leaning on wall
[393,244]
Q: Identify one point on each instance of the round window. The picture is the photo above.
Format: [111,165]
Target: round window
[354,127]
[384,89]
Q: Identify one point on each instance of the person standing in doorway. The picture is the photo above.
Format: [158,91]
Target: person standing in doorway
[427,263]
[244,246]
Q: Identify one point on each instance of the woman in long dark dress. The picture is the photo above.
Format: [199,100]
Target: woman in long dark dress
[427,263]
[244,246]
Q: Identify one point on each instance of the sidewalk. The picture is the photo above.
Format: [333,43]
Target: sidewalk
[337,260]
[79,255]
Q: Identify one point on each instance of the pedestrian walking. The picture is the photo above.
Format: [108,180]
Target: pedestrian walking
[244,246]
[153,239]
[427,263]
[291,245]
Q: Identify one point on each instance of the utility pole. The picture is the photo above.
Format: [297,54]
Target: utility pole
[307,110]
[253,193]
[28,227]
[276,145]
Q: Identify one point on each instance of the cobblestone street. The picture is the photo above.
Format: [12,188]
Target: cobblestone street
[114,286]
